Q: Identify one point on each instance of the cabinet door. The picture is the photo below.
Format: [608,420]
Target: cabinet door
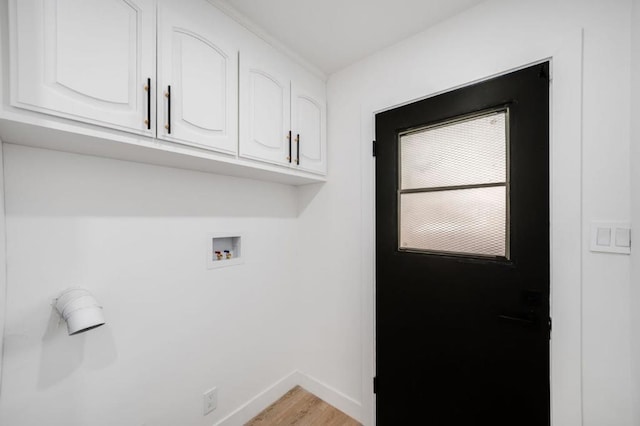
[198,83]
[308,122]
[265,108]
[88,60]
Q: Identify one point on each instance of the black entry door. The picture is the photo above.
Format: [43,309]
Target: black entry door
[462,256]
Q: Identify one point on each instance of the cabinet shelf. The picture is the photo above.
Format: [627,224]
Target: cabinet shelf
[25,129]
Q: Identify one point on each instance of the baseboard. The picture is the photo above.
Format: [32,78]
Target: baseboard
[330,395]
[255,405]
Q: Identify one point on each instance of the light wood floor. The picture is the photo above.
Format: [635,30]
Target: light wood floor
[299,407]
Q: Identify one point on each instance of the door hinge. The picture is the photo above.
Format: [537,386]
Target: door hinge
[550,324]
[373,144]
[544,72]
[375,385]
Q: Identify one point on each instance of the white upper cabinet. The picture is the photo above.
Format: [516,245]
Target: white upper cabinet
[180,80]
[308,123]
[88,60]
[282,120]
[265,109]
[197,78]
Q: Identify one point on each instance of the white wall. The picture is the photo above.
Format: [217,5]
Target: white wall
[3,265]
[134,235]
[490,38]
[122,228]
[635,203]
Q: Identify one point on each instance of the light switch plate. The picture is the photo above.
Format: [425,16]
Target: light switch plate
[611,237]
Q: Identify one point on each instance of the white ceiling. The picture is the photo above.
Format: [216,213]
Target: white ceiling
[332,34]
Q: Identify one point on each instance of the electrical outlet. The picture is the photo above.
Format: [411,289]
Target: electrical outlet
[210,401]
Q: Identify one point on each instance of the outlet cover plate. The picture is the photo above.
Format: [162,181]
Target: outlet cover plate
[210,401]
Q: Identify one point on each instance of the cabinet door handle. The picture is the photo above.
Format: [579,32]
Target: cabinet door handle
[168,96]
[289,137]
[147,88]
[298,149]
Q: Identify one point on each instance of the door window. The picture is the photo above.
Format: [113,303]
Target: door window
[453,192]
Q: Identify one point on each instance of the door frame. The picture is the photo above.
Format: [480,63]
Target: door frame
[565,168]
